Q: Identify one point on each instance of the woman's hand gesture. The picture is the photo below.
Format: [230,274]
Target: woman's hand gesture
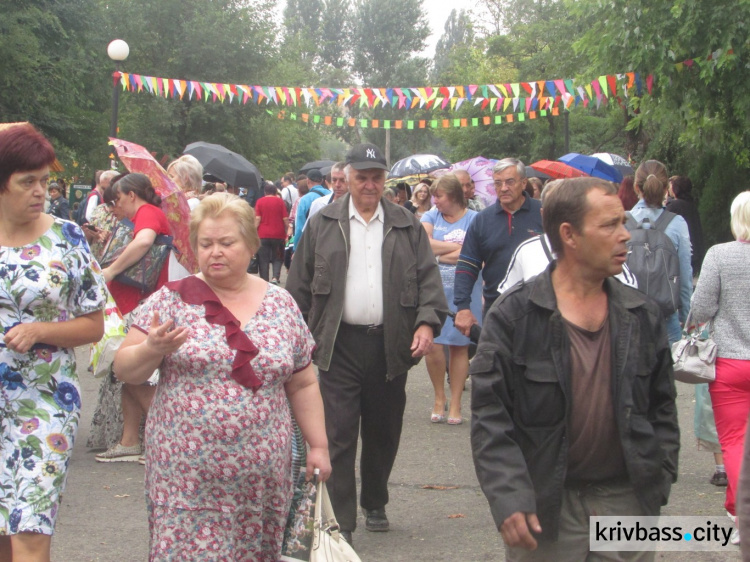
[165,338]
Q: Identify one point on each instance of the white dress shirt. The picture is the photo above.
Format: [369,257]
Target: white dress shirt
[363,297]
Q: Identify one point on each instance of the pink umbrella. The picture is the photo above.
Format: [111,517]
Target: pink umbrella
[173,201]
[480,170]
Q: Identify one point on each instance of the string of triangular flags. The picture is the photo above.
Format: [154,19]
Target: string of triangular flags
[411,124]
[507,98]
[500,98]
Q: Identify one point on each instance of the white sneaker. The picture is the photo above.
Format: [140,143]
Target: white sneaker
[735,538]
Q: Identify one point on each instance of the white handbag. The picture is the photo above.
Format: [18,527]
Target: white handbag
[328,544]
[694,355]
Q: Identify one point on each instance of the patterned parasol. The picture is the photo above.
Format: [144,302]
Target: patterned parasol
[173,202]
[480,170]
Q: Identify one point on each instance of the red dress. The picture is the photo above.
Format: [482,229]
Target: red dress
[127,297]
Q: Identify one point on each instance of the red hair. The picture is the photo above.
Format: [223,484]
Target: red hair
[627,194]
[22,149]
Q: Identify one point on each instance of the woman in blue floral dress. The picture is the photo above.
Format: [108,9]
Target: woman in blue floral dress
[51,300]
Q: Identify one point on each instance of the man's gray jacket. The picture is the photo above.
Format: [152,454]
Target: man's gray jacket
[412,288]
[521,400]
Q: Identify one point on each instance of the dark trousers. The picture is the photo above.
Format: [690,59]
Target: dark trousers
[271,251]
[353,388]
[487,305]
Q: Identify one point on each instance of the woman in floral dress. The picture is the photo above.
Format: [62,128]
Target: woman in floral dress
[234,353]
[51,299]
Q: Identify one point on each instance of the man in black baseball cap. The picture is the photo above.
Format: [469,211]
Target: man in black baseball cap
[366,281]
[366,156]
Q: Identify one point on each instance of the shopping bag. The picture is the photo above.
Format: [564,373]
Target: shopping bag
[103,351]
[298,534]
[328,544]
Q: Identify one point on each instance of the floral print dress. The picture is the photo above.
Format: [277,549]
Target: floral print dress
[218,455]
[53,279]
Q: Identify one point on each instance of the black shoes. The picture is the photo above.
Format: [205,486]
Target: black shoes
[376,520]
[719,479]
[347,536]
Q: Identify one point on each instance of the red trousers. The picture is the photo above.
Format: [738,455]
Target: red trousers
[730,396]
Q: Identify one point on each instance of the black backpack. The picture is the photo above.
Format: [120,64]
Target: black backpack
[654,261]
[83,205]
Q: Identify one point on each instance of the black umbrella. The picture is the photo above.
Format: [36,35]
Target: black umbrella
[226,165]
[316,165]
[418,164]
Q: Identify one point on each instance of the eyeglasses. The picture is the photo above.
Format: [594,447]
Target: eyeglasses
[511,183]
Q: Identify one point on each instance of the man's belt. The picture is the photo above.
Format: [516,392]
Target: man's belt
[367,330]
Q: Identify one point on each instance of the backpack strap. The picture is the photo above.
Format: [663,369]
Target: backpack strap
[631,223]
[663,221]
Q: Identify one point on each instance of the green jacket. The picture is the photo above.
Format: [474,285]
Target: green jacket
[412,288]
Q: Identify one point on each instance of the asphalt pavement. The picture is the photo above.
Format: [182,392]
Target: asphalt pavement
[437,510]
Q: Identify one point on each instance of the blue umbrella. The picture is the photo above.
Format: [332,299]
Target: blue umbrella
[592,166]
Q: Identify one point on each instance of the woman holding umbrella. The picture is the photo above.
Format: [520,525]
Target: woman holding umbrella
[136,200]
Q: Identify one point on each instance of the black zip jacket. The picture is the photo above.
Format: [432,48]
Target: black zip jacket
[521,401]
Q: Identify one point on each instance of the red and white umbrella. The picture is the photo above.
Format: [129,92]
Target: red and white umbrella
[173,202]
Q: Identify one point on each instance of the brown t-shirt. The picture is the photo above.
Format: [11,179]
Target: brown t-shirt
[595,453]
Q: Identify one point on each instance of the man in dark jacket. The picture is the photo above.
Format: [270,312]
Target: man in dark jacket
[367,283]
[573,399]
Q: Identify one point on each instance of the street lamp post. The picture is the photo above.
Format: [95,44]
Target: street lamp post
[118,51]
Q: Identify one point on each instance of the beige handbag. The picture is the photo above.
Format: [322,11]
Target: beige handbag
[328,544]
[694,355]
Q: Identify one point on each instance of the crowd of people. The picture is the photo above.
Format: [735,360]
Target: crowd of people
[572,395]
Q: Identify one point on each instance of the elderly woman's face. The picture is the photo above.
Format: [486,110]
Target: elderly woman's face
[175,178]
[223,255]
[23,199]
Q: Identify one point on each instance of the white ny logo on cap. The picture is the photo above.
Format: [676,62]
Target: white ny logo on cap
[370,153]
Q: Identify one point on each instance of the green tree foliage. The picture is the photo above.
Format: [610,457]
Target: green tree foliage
[387,35]
[302,27]
[458,36]
[333,36]
[221,41]
[52,74]
[696,119]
